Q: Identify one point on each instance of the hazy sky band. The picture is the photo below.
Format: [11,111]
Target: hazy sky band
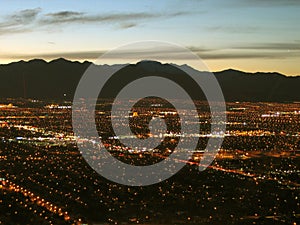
[247,35]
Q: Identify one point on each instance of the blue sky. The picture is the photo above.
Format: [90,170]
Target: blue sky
[257,35]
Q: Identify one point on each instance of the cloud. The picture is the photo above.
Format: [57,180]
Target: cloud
[32,19]
[163,54]
[13,30]
[19,22]
[241,55]
[271,46]
[263,3]
[22,17]
[71,17]
[233,29]
[199,49]
[63,14]
[275,2]
[250,51]
[80,55]
[127,25]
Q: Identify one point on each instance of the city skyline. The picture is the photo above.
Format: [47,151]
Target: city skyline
[245,35]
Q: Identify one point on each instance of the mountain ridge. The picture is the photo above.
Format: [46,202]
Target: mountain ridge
[89,62]
[58,78]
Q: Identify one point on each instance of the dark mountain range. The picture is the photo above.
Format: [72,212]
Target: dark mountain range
[58,79]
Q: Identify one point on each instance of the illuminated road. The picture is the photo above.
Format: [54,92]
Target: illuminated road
[35,199]
[255,177]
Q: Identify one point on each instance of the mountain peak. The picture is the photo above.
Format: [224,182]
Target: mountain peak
[37,61]
[230,70]
[149,62]
[60,60]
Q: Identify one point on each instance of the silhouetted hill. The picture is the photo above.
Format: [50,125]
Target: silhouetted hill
[237,85]
[58,79]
